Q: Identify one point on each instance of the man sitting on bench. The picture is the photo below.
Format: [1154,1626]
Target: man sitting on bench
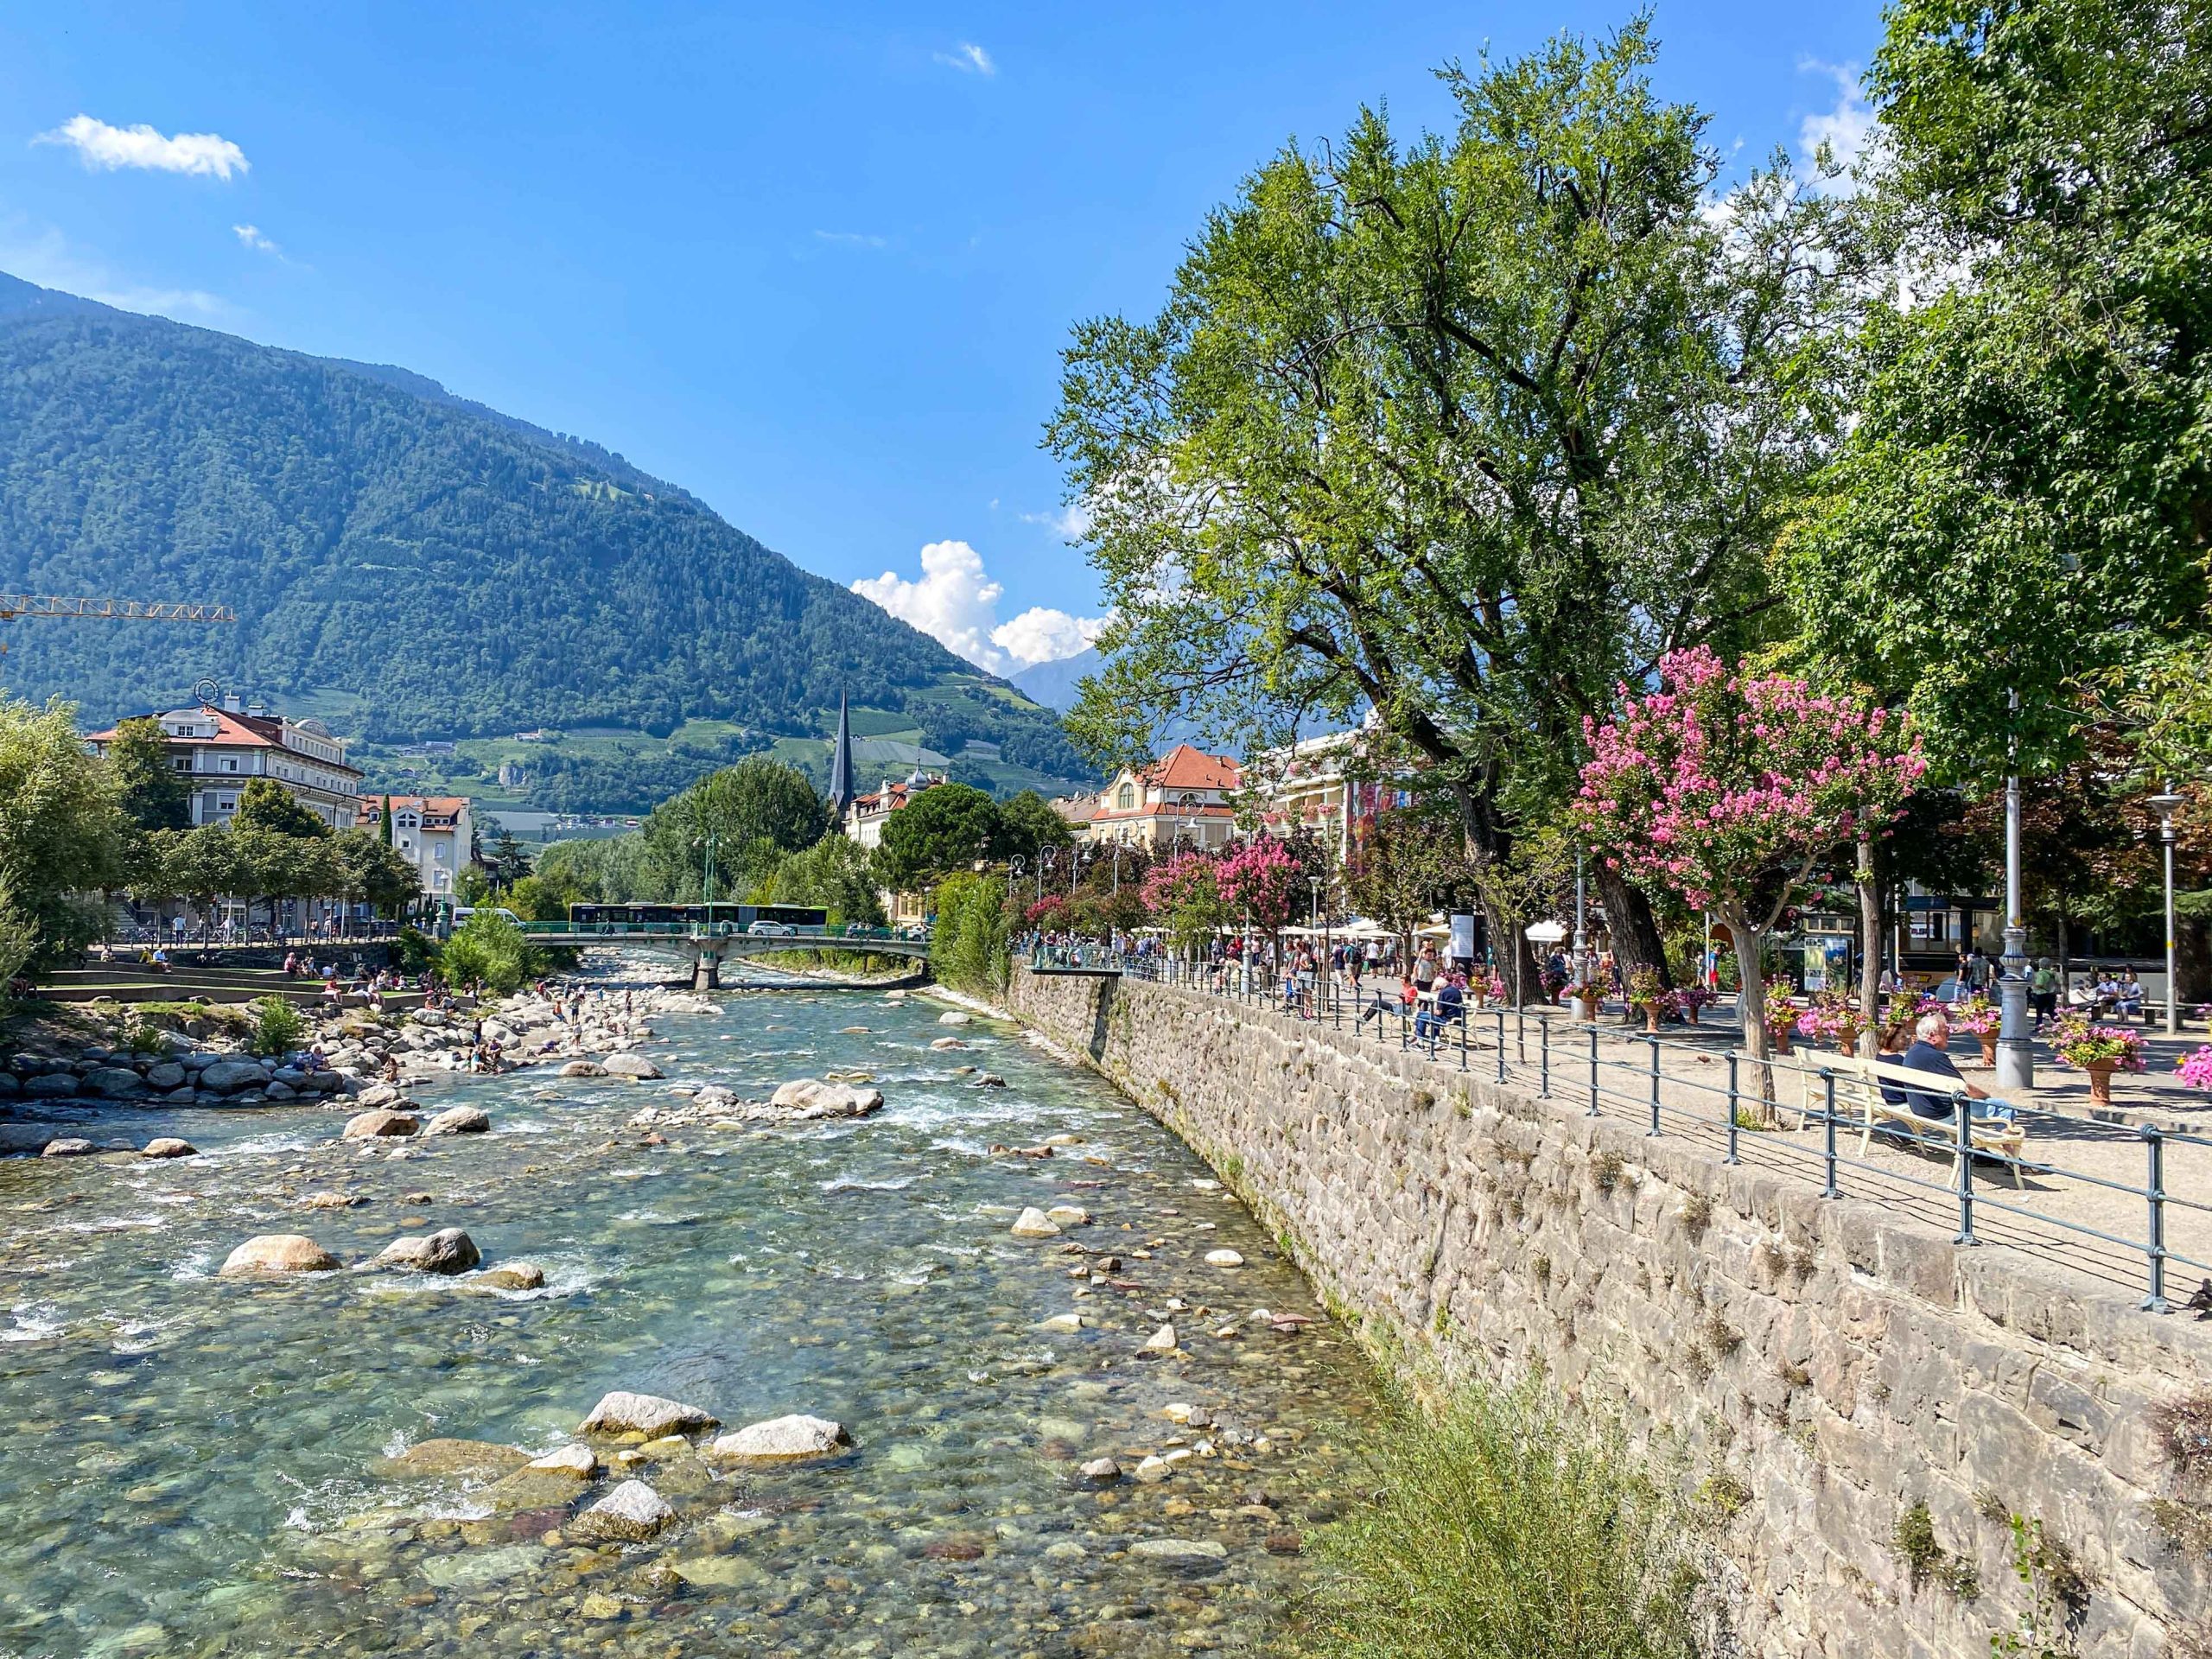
[1930,1053]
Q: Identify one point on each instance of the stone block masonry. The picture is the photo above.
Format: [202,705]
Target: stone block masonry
[1822,1370]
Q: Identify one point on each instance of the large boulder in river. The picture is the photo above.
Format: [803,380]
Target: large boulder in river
[53,1085]
[630,1514]
[164,1076]
[634,1066]
[811,1098]
[794,1439]
[112,1082]
[380,1093]
[458,1120]
[624,1413]
[168,1146]
[1033,1223]
[228,1076]
[511,1276]
[68,1145]
[956,1018]
[452,1457]
[278,1253]
[582,1069]
[379,1124]
[448,1251]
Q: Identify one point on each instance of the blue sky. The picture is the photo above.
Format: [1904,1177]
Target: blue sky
[814,265]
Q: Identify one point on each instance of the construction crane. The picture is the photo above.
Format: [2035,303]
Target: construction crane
[111,610]
[114,610]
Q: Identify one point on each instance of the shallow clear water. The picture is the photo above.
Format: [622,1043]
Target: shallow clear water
[193,1464]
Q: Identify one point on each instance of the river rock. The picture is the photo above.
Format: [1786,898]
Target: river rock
[458,1120]
[448,1251]
[948,1042]
[278,1253]
[1064,1322]
[578,1461]
[624,1413]
[811,1098]
[1102,1471]
[1034,1223]
[781,1439]
[1178,1552]
[455,1456]
[379,1124]
[1161,1341]
[331,1200]
[1069,1215]
[630,1514]
[636,1067]
[379,1093]
[227,1077]
[956,1018]
[168,1146]
[165,1076]
[52,1085]
[67,1146]
[990,1080]
[583,1069]
[514,1275]
[113,1082]
[1223,1259]
[280,1091]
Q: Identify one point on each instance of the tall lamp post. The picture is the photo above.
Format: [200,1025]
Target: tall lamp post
[1581,927]
[2016,1053]
[1320,968]
[2164,805]
[707,878]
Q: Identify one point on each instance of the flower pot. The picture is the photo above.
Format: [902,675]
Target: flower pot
[1780,1041]
[1689,1011]
[1988,1041]
[1651,1020]
[2101,1080]
[1585,1009]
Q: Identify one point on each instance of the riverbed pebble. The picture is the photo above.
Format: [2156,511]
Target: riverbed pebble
[1223,1259]
[380,1124]
[954,1017]
[458,1120]
[68,1145]
[168,1146]
[512,1275]
[630,1514]
[1033,1223]
[636,1067]
[1161,1341]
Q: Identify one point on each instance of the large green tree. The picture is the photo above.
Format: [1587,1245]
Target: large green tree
[2026,496]
[835,873]
[264,804]
[938,833]
[1468,429]
[755,812]
[61,830]
[152,794]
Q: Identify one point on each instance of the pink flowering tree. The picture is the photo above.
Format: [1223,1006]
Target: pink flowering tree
[1731,788]
[1183,892]
[1261,880]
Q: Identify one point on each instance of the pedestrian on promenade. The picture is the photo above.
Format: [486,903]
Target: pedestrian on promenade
[2042,989]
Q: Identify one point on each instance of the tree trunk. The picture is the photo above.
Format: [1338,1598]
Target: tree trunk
[2192,962]
[2065,961]
[1635,930]
[1750,1006]
[1869,949]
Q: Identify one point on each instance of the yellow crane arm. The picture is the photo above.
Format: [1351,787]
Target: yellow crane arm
[15,605]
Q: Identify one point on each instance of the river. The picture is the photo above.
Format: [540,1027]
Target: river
[198,1465]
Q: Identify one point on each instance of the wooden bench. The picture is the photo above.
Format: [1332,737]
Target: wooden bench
[1858,1086]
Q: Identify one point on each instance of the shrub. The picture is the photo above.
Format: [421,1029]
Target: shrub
[2183,1426]
[1504,1526]
[277,1027]
[414,952]
[490,950]
[967,947]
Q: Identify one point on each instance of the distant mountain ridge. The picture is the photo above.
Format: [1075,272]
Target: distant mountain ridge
[409,563]
[1056,685]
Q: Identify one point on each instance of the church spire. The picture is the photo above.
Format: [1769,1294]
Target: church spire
[841,760]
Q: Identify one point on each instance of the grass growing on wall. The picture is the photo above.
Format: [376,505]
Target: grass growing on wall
[1504,1526]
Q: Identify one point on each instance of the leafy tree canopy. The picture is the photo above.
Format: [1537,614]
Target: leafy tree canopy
[938,831]
[151,794]
[755,811]
[61,828]
[264,804]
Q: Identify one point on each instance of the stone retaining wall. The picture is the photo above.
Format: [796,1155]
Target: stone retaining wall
[1822,1366]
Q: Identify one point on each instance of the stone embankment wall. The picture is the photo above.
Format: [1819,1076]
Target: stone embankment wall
[1820,1368]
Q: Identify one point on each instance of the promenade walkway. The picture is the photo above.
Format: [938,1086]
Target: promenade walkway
[2123,1193]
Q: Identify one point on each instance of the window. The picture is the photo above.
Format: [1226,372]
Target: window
[183,763]
[1126,798]
[230,763]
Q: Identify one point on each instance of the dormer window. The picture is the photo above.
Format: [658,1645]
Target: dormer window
[1125,798]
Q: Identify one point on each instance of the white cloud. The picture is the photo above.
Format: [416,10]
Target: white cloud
[955,603]
[852,239]
[970,59]
[1070,524]
[207,155]
[45,256]
[1847,128]
[250,236]
[1043,635]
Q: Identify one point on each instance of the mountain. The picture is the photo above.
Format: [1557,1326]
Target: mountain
[410,565]
[1054,684]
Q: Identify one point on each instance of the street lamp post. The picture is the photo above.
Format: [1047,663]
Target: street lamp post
[707,878]
[1581,927]
[1320,968]
[2164,805]
[2016,1054]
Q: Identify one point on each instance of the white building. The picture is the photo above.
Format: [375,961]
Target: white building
[1318,784]
[432,832]
[219,751]
[1185,797]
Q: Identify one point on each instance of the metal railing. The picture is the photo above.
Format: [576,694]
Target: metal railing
[1782,1114]
[840,934]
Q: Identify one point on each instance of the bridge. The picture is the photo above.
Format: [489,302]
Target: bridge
[707,947]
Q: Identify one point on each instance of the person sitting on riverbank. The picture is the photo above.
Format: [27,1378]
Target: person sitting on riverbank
[1930,1053]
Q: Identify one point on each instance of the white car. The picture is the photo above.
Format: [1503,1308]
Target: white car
[771,930]
[500,911]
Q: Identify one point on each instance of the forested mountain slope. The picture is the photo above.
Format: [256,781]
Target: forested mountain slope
[408,564]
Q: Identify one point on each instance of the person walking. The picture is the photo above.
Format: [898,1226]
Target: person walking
[2042,989]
